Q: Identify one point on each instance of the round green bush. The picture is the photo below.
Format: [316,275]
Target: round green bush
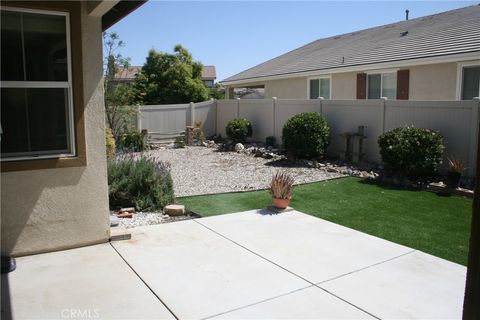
[306,136]
[239,130]
[415,153]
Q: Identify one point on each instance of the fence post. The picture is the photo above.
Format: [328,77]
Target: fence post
[214,101]
[238,107]
[382,114]
[320,100]
[139,119]
[473,137]
[192,114]
[274,99]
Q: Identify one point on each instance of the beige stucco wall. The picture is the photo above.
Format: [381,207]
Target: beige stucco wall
[344,86]
[433,82]
[294,88]
[44,210]
[427,82]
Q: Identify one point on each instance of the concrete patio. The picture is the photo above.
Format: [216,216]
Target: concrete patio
[237,266]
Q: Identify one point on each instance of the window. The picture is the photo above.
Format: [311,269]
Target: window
[471,82]
[36,87]
[382,85]
[319,87]
[208,83]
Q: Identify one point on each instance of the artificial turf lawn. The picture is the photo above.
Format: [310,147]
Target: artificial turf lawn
[417,219]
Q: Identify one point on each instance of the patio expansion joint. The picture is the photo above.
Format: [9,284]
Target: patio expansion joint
[289,271]
[258,302]
[144,282]
[367,267]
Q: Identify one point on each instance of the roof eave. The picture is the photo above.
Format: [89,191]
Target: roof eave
[119,11]
[363,67]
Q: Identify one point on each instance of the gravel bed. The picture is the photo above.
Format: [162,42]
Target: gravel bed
[201,170]
[149,218]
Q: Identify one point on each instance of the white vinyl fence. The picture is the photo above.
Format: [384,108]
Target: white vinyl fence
[457,121]
[165,122]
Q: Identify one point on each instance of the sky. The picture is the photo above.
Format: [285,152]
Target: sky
[237,35]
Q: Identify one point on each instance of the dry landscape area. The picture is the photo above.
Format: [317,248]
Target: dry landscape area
[200,170]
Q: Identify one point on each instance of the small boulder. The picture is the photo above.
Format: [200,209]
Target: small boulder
[174,209]
[114,221]
[239,147]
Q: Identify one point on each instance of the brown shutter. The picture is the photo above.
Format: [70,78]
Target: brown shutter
[361,85]
[403,83]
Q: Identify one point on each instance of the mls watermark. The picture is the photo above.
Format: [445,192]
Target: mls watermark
[74,313]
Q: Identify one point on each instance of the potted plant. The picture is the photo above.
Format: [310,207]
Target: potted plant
[454,172]
[281,188]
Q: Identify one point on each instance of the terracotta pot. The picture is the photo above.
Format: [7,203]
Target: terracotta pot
[453,179]
[280,203]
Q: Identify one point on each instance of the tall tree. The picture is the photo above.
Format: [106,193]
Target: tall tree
[170,78]
[118,97]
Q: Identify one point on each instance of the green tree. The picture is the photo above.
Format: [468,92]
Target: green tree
[170,78]
[217,92]
[118,97]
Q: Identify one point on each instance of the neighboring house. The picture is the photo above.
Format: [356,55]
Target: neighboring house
[127,75]
[209,74]
[435,57]
[54,172]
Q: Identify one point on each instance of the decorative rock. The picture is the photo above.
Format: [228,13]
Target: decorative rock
[174,209]
[239,147]
[114,221]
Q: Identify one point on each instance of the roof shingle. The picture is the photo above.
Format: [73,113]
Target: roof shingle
[452,32]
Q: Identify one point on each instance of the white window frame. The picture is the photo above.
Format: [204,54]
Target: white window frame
[460,67]
[381,72]
[49,84]
[329,77]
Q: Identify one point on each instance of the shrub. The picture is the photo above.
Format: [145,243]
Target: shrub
[110,143]
[412,152]
[239,130]
[306,136]
[132,141]
[179,142]
[140,182]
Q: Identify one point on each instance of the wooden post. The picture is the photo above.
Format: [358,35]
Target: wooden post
[471,303]
[189,135]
